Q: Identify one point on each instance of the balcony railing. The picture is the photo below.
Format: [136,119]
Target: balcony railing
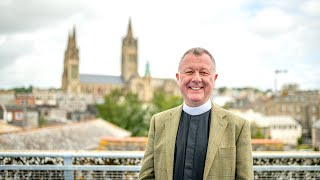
[126,165]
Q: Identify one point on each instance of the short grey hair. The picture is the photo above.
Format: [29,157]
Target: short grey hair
[199,51]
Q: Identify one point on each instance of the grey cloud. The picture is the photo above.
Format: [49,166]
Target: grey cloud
[26,16]
[12,49]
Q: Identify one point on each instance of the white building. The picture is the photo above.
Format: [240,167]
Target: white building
[45,96]
[284,128]
[281,127]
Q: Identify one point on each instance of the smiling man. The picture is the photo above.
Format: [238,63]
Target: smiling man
[198,139]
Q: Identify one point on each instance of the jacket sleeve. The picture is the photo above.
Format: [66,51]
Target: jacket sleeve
[147,168]
[244,162]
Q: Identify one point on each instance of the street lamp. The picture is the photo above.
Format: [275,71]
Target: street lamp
[276,72]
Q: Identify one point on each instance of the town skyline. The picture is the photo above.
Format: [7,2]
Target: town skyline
[249,40]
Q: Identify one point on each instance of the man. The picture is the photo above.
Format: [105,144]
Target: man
[197,140]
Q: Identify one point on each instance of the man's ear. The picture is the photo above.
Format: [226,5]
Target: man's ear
[215,77]
[177,76]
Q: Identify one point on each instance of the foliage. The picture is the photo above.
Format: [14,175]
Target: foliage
[304,147]
[42,121]
[125,110]
[222,90]
[256,132]
[299,141]
[23,89]
[162,101]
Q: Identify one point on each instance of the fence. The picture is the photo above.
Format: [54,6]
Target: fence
[80,165]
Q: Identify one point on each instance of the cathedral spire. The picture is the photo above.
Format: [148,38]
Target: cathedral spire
[72,43]
[129,57]
[129,33]
[74,31]
[70,76]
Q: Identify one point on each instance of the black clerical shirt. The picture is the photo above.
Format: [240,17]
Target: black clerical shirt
[191,146]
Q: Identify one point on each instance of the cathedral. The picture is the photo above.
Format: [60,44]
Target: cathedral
[100,85]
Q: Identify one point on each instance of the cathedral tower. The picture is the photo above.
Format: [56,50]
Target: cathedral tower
[129,58]
[70,77]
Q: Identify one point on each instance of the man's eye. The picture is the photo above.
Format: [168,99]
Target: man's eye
[204,73]
[188,72]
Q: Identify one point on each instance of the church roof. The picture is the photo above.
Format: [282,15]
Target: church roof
[100,79]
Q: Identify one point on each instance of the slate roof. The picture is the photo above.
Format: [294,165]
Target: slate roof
[74,136]
[100,79]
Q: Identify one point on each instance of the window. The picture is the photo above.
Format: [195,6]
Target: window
[19,116]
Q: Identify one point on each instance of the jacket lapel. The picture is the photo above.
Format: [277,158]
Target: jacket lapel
[171,127]
[217,128]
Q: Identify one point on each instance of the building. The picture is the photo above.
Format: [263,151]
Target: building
[7,97]
[26,117]
[100,85]
[316,135]
[25,99]
[303,106]
[266,145]
[283,128]
[45,96]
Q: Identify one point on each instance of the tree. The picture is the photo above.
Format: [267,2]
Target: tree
[23,89]
[256,132]
[42,121]
[125,110]
[162,101]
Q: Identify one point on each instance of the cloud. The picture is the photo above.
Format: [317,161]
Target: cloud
[311,7]
[12,48]
[272,22]
[27,16]
[249,39]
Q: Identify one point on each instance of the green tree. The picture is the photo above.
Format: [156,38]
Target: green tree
[125,110]
[222,90]
[42,121]
[162,101]
[256,132]
[23,89]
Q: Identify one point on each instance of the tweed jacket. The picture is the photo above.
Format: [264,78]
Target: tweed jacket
[229,151]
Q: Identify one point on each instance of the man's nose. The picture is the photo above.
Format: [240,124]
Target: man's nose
[196,77]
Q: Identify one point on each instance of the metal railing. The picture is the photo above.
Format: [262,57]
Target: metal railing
[126,165]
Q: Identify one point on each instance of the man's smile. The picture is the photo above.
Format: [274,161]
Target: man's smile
[195,88]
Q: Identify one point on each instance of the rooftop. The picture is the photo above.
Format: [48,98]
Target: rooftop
[74,136]
[101,79]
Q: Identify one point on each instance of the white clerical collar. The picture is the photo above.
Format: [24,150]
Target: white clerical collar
[197,110]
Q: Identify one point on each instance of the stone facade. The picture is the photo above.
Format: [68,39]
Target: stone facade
[304,106]
[100,85]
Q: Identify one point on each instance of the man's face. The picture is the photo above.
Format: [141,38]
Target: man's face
[196,79]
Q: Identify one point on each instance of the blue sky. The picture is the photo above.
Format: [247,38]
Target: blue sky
[249,39]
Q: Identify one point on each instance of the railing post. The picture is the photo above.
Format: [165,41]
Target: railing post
[68,174]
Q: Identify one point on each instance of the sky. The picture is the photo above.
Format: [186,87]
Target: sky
[249,39]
